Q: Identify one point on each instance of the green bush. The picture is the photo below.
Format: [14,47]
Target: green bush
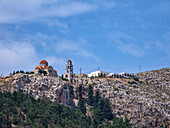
[65,79]
[136,78]
[140,82]
[133,82]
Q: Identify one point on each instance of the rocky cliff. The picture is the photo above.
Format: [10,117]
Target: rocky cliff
[145,101]
[41,86]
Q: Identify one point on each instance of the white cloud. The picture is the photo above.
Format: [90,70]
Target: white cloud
[17,56]
[18,11]
[53,23]
[53,60]
[66,45]
[57,63]
[78,48]
[127,44]
[130,48]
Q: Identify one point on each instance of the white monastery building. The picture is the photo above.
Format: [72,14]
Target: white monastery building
[98,73]
[120,75]
[107,74]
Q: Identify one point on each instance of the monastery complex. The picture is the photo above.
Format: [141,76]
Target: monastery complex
[45,69]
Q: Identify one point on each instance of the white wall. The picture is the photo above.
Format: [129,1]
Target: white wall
[98,73]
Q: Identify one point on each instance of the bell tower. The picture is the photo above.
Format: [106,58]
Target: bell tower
[69,70]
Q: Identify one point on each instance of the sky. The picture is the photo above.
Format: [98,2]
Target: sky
[114,36]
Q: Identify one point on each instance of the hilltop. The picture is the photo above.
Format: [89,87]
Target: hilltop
[144,99]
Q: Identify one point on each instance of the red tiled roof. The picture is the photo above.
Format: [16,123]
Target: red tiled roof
[43,61]
[41,67]
[37,67]
[54,70]
[46,67]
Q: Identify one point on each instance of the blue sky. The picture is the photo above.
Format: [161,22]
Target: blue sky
[116,36]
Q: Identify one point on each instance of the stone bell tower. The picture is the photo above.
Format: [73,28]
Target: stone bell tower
[69,70]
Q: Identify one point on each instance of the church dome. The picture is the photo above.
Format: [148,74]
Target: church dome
[43,61]
[37,67]
[69,60]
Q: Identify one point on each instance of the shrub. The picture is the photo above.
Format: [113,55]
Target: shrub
[116,89]
[133,82]
[65,79]
[140,82]
[21,71]
[127,92]
[136,78]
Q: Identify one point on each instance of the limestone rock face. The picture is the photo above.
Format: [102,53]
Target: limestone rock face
[44,86]
[145,103]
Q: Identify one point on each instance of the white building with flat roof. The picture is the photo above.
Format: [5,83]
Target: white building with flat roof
[120,75]
[98,74]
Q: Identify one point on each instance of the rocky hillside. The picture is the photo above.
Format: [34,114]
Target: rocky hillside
[159,78]
[145,101]
[40,86]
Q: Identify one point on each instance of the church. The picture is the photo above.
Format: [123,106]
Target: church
[43,67]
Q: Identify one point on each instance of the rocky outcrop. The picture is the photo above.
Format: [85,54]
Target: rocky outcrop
[144,103]
[44,86]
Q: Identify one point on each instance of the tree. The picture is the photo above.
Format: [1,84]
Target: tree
[97,97]
[80,91]
[21,71]
[90,95]
[15,120]
[24,111]
[81,105]
[107,110]
[127,122]
[81,101]
[13,73]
